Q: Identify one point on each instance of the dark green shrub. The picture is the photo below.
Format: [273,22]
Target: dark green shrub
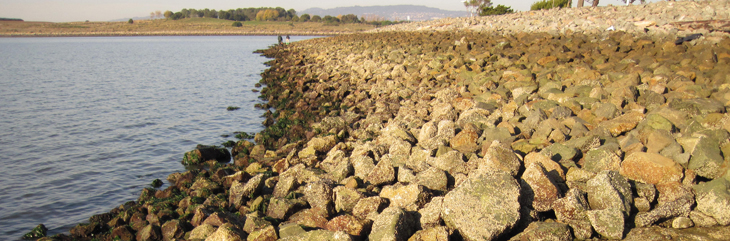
[498,10]
[237,24]
[548,4]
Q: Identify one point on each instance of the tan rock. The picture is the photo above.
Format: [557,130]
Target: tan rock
[651,168]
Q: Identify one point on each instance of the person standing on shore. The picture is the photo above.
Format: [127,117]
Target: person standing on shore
[287,39]
[280,40]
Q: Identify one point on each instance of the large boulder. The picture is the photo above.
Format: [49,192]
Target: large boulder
[484,206]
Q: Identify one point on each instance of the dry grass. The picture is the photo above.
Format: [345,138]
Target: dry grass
[196,26]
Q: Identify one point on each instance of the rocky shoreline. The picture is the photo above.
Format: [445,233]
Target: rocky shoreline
[458,134]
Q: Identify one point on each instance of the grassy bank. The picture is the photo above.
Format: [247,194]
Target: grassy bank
[163,27]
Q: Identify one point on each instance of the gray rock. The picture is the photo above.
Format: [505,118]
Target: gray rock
[545,231]
[706,158]
[393,224]
[363,165]
[609,223]
[431,213]
[410,197]
[434,179]
[448,160]
[607,190]
[601,160]
[439,233]
[501,157]
[485,206]
[346,198]
[282,208]
[319,235]
[240,193]
[319,195]
[382,174]
[369,205]
[713,199]
[571,210]
[539,189]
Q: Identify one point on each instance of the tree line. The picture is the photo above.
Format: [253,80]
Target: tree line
[266,14]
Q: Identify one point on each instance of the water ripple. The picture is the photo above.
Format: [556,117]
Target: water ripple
[85,123]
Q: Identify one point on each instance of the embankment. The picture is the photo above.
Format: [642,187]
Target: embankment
[473,135]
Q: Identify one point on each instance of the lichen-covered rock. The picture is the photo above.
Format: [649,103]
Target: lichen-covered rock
[571,210]
[317,235]
[149,233]
[601,160]
[369,205]
[609,222]
[484,206]
[713,199]
[267,233]
[651,168]
[393,224]
[348,224]
[539,190]
[282,208]
[382,174]
[433,179]
[545,231]
[410,197]
[226,232]
[309,218]
[319,195]
[706,157]
[501,157]
[439,233]
[346,198]
[240,193]
[202,231]
[608,189]
[173,229]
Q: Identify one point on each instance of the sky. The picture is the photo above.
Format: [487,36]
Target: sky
[105,10]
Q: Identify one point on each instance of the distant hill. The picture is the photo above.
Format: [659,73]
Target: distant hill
[395,12]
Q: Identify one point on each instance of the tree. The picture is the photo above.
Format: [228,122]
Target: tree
[168,14]
[330,19]
[498,10]
[316,18]
[291,13]
[267,15]
[152,15]
[349,18]
[130,21]
[158,14]
[473,6]
[305,17]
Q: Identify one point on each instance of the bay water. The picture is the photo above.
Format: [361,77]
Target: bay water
[87,122]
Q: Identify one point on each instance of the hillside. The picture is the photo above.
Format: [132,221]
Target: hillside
[395,12]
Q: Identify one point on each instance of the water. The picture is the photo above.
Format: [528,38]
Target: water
[86,123]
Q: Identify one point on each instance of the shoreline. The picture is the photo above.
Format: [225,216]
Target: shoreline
[403,134]
[174,34]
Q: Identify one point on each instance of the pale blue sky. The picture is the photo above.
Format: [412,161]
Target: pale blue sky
[104,10]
